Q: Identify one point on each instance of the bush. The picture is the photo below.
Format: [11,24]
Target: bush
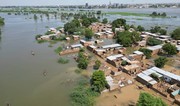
[58,50]
[160,62]
[38,36]
[145,99]
[146,52]
[153,41]
[176,34]
[169,49]
[63,61]
[97,64]
[78,70]
[124,63]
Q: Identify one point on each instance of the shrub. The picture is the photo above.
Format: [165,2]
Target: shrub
[63,61]
[160,62]
[58,50]
[153,41]
[146,52]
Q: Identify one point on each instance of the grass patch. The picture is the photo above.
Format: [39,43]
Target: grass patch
[128,14]
[41,41]
[78,70]
[63,61]
[59,49]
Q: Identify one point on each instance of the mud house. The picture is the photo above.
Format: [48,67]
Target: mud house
[72,49]
[137,55]
[112,47]
[111,83]
[76,37]
[91,48]
[114,60]
[132,69]
[100,52]
[86,43]
[155,49]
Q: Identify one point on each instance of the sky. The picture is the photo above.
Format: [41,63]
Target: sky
[77,2]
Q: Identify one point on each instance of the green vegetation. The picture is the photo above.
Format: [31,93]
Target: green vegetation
[176,34]
[83,95]
[78,71]
[124,63]
[105,21]
[140,28]
[97,64]
[38,36]
[118,22]
[158,29]
[155,14]
[88,33]
[87,21]
[2,21]
[160,62]
[146,52]
[128,14]
[153,41]
[127,38]
[62,60]
[59,49]
[155,76]
[146,99]
[82,60]
[169,49]
[98,81]
[35,17]
[49,33]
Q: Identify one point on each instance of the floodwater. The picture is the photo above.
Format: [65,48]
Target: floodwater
[22,82]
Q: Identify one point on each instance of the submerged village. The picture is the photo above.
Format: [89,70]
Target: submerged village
[105,58]
[121,56]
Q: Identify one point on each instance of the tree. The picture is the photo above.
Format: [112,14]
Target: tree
[86,22]
[105,21]
[119,22]
[140,28]
[76,22]
[123,63]
[169,49]
[127,38]
[88,33]
[145,99]
[82,60]
[162,31]
[163,14]
[1,21]
[155,29]
[146,52]
[176,34]
[98,81]
[154,13]
[97,64]
[153,41]
[160,62]
[70,27]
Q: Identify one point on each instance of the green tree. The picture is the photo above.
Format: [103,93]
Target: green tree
[70,27]
[162,31]
[97,64]
[76,22]
[160,62]
[105,21]
[176,34]
[88,33]
[118,22]
[163,14]
[146,52]
[140,28]
[169,49]
[98,81]
[153,41]
[155,29]
[123,63]
[145,99]
[86,22]
[2,21]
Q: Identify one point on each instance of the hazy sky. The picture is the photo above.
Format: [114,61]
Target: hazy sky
[77,2]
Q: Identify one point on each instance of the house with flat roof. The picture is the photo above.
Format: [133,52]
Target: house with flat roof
[73,49]
[112,46]
[132,69]
[76,37]
[137,55]
[155,49]
[114,60]
[91,48]
[86,43]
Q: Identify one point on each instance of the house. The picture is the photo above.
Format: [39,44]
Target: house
[146,80]
[100,52]
[178,48]
[155,49]
[73,49]
[114,60]
[86,43]
[91,48]
[47,37]
[112,46]
[132,69]
[137,55]
[76,37]
[111,83]
[68,39]
[142,43]
[109,34]
[164,38]
[99,35]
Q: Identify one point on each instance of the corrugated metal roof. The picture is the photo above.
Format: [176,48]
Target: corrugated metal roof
[111,46]
[76,45]
[166,73]
[138,52]
[113,57]
[145,77]
[150,71]
[154,47]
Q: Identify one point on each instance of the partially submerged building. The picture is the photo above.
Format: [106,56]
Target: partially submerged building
[155,49]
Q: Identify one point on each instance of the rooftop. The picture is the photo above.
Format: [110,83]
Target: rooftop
[138,52]
[76,45]
[113,57]
[154,47]
[111,46]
